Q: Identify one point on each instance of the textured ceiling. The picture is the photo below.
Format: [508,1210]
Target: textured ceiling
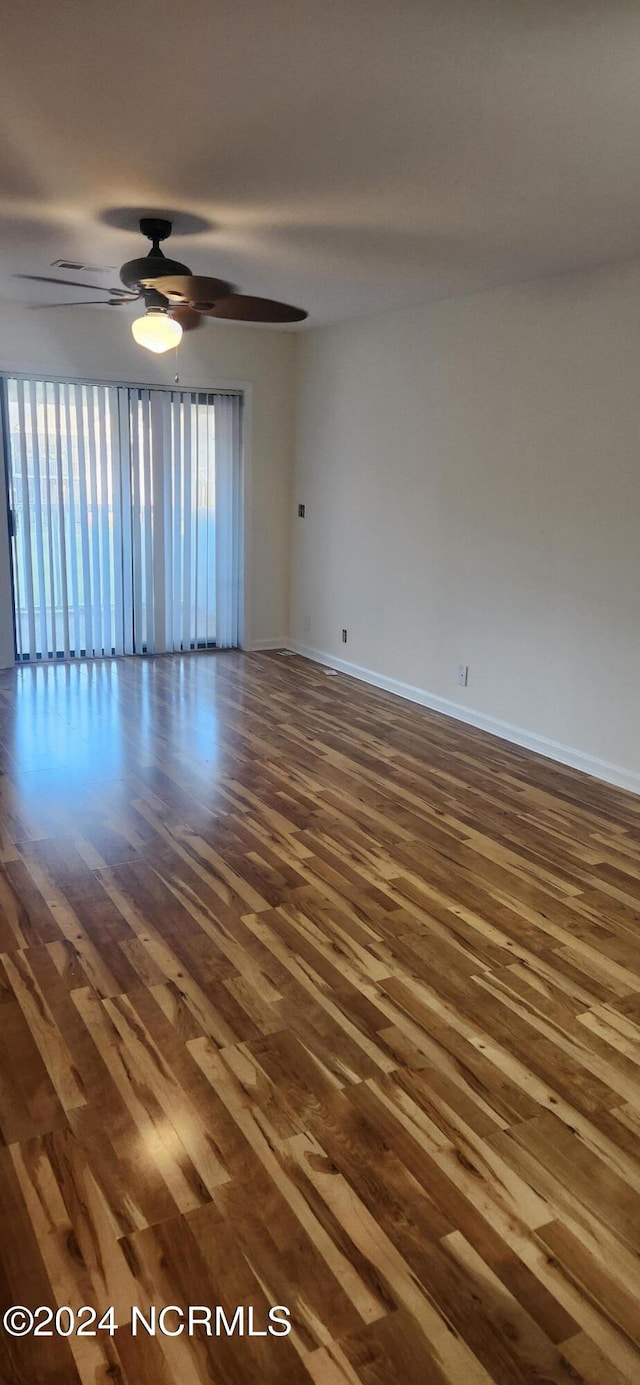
[345,155]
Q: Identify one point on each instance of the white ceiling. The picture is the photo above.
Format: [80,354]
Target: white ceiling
[346,155]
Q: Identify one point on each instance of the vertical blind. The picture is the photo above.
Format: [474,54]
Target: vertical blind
[127,518]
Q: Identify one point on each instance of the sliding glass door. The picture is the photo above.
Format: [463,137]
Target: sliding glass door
[64,496]
[126,518]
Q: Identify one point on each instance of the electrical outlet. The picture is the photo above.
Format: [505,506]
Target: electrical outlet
[344,637]
[301,511]
[463,675]
[306,624]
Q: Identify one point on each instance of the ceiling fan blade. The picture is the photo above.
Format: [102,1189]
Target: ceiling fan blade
[243,307]
[86,303]
[188,318]
[70,283]
[194,289]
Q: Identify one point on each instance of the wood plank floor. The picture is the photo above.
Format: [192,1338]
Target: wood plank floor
[309,997]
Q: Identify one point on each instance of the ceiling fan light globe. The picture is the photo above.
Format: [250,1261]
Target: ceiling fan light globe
[156,331]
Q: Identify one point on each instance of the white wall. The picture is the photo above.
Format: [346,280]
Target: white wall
[471,473]
[96,344]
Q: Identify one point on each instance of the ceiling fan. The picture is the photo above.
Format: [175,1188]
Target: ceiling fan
[175,300]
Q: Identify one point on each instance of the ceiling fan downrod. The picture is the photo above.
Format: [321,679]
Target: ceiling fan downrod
[155,263]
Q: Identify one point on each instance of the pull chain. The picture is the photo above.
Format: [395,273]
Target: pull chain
[176,378]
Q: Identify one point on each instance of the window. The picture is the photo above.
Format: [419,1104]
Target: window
[126,516]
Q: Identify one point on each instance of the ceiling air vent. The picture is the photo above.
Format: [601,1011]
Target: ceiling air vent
[86,268]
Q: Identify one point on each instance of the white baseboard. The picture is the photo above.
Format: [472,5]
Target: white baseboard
[282,643]
[552,750]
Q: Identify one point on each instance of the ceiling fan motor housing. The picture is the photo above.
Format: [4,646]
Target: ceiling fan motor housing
[150,266]
[155,264]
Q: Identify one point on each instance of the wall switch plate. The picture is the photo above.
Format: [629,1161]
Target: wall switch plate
[306,624]
[463,675]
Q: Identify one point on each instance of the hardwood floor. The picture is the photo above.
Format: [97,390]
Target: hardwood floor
[309,997]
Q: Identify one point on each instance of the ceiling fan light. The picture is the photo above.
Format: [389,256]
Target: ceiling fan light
[156,330]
